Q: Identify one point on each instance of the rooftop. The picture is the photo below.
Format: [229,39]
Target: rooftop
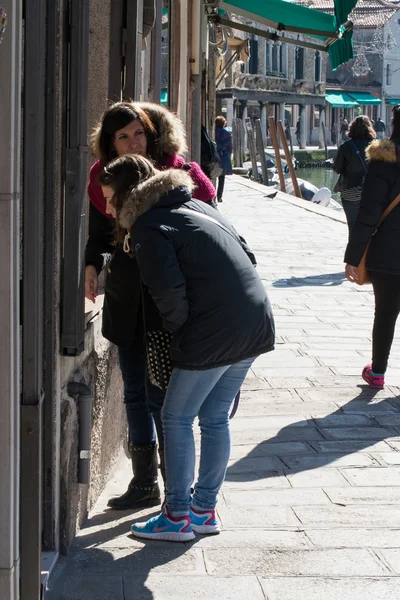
[367,13]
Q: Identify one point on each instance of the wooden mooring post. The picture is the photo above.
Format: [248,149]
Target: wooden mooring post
[278,160]
[289,160]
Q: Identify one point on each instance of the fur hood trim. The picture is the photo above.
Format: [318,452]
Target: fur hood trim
[382,150]
[147,194]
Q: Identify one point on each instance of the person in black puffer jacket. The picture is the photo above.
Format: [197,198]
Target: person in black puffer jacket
[350,163]
[381,186]
[201,276]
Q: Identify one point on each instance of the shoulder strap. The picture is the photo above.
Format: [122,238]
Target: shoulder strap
[389,209]
[189,211]
[359,155]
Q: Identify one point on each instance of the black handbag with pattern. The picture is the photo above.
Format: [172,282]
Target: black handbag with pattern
[159,363]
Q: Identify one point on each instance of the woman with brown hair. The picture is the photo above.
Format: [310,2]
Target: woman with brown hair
[351,166]
[151,131]
[381,187]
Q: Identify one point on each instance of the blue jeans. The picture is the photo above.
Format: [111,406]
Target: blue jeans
[143,400]
[208,395]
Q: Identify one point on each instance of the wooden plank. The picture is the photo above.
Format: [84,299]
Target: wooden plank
[278,160]
[289,160]
[252,148]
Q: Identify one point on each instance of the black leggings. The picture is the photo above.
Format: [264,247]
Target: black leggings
[387,309]
[221,183]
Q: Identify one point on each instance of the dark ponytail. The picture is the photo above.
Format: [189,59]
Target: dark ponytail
[395,137]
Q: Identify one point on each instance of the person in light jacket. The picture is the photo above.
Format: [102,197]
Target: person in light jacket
[381,187]
[149,130]
[223,139]
[201,276]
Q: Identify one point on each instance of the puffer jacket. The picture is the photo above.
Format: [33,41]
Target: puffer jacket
[122,310]
[200,275]
[381,186]
[349,165]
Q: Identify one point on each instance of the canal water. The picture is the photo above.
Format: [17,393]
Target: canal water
[320,178]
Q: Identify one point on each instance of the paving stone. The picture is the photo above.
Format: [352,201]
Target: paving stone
[158,587]
[288,497]
[378,476]
[246,517]
[124,561]
[304,409]
[87,587]
[317,478]
[261,464]
[270,449]
[363,495]
[269,396]
[255,538]
[392,557]
[313,461]
[333,563]
[362,433]
[344,446]
[255,480]
[270,422]
[309,588]
[354,538]
[348,516]
[287,434]
[388,458]
[342,420]
[390,420]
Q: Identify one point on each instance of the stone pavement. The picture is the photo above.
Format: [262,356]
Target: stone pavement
[311,505]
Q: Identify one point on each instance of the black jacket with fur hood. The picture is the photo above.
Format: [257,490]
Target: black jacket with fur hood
[381,186]
[200,277]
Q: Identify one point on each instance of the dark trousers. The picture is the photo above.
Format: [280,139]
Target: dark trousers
[221,183]
[350,208]
[143,400]
[387,308]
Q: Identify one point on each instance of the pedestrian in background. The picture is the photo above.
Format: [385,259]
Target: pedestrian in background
[380,128]
[350,164]
[148,130]
[202,279]
[381,187]
[298,131]
[344,127]
[223,139]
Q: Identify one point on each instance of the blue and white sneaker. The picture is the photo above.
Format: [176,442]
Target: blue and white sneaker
[204,521]
[165,527]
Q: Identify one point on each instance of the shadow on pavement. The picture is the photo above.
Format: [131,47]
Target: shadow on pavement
[327,279]
[243,471]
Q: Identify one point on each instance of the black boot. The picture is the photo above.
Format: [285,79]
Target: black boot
[143,490]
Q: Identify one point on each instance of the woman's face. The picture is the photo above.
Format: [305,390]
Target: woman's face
[108,194]
[131,139]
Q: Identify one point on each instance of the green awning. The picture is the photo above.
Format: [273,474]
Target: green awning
[284,15]
[164,97]
[364,98]
[393,101]
[340,100]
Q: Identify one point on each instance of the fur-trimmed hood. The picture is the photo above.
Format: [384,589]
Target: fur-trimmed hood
[383,151]
[148,193]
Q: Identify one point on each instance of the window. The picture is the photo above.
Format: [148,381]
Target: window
[253,62]
[317,66]
[299,63]
[275,53]
[267,57]
[388,74]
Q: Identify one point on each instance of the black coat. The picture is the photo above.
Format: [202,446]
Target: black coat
[349,166]
[381,186]
[201,277]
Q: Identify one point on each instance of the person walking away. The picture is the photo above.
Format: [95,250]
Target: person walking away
[333,134]
[344,129]
[223,139]
[298,131]
[381,187]
[201,276]
[149,130]
[350,164]
[380,128]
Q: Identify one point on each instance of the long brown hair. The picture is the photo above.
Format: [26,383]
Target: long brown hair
[361,128]
[123,174]
[116,117]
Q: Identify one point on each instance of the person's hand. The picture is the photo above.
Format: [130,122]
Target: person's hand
[91,283]
[351,273]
